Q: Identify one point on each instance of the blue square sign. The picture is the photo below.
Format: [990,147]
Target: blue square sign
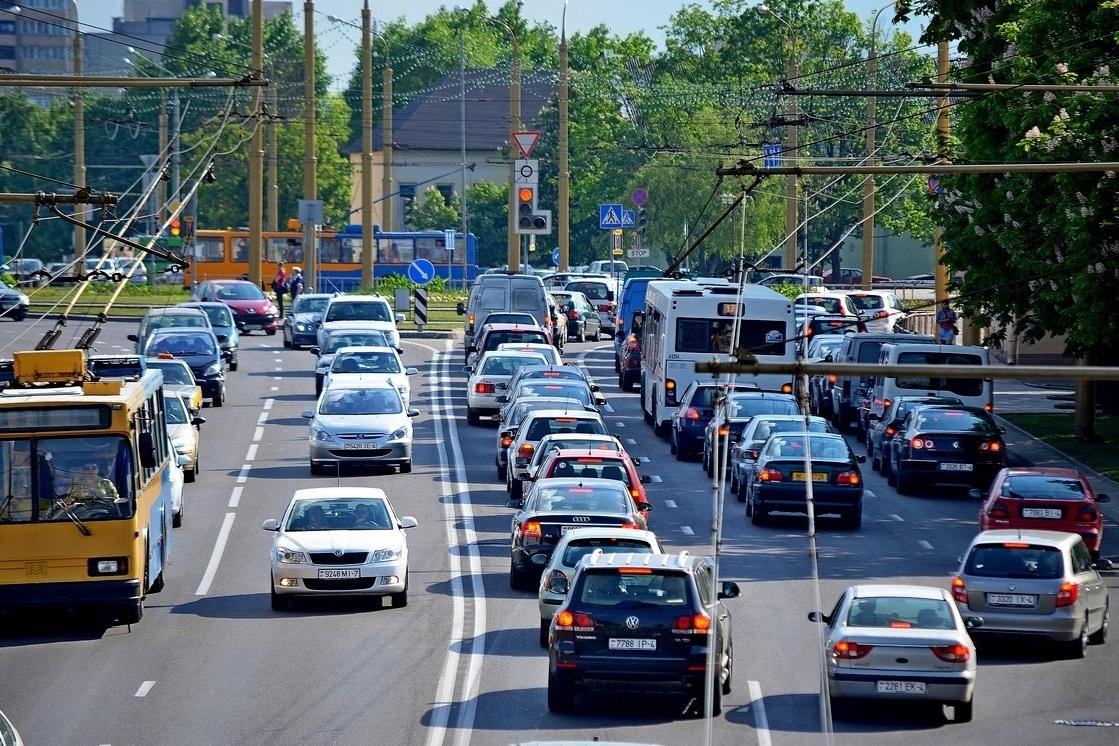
[610,216]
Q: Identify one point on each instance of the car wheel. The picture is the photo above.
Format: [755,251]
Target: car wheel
[19,316]
[219,397]
[964,711]
[1099,637]
[1078,648]
[318,384]
[177,518]
[189,475]
[272,333]
[729,670]
[400,600]
[544,625]
[891,475]
[758,514]
[518,579]
[287,343]
[853,519]
[279,603]
[617,363]
[132,613]
[744,497]
[233,363]
[406,467]
[471,416]
[516,489]
[316,469]
[582,335]
[660,429]
[561,694]
[672,448]
[500,471]
[875,459]
[903,482]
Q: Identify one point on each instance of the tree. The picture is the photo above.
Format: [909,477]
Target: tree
[432,211]
[487,212]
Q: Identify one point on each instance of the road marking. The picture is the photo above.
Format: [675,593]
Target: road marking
[268,404]
[258,433]
[631,441]
[279,360]
[235,496]
[144,689]
[274,388]
[757,706]
[215,556]
[243,475]
[656,479]
[924,544]
[687,531]
[869,493]
[670,503]
[897,517]
[607,408]
[276,378]
[262,418]
[278,368]
[620,424]
[251,455]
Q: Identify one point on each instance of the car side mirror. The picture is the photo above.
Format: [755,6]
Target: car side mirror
[308,413]
[646,479]
[198,421]
[270,524]
[182,460]
[502,399]
[399,318]
[407,521]
[973,622]
[644,507]
[133,338]
[729,590]
[513,504]
[595,387]
[468,369]
[539,559]
[411,371]
[559,585]
[502,386]
[975,494]
[621,334]
[816,616]
[222,337]
[860,458]
[460,309]
[314,350]
[506,434]
[754,455]
[1103,497]
[413,412]
[599,400]
[1002,429]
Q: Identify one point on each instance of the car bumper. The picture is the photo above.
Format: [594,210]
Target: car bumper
[1061,625]
[549,603]
[211,386]
[482,402]
[929,472]
[389,453]
[263,322]
[689,439]
[1093,537]
[957,686]
[69,594]
[791,497]
[614,673]
[376,579]
[191,454]
[304,338]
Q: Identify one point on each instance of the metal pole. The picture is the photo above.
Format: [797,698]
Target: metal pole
[940,272]
[993,372]
[79,135]
[109,81]
[366,147]
[273,222]
[462,124]
[791,210]
[256,152]
[176,147]
[310,187]
[564,168]
[748,169]
[514,254]
[387,215]
[868,185]
[162,198]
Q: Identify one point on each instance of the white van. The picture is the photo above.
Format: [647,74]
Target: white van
[974,392]
[504,292]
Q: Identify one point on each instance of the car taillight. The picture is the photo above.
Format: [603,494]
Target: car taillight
[951,653]
[891,431]
[1087,514]
[525,451]
[557,575]
[630,524]
[531,530]
[692,623]
[918,443]
[959,589]
[993,446]
[848,477]
[573,315]
[691,413]
[999,511]
[724,430]
[669,391]
[484,388]
[770,475]
[506,442]
[1068,593]
[832,378]
[786,388]
[886,403]
[634,493]
[470,321]
[989,407]
[850,651]
[566,620]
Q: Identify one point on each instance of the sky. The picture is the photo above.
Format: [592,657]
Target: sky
[339,42]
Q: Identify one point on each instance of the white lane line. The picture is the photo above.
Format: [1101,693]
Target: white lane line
[251,455]
[276,378]
[274,388]
[278,369]
[924,544]
[607,408]
[235,496]
[215,556]
[268,404]
[897,517]
[656,479]
[279,360]
[262,418]
[687,531]
[757,706]
[144,689]
[620,424]
[670,503]
[869,493]
[631,441]
[258,433]
[243,475]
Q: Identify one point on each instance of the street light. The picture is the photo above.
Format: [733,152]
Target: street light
[564,207]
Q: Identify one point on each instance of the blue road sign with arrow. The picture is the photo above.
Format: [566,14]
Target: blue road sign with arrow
[610,216]
[421,271]
[555,256]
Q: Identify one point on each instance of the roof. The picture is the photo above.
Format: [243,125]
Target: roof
[682,561]
[1030,536]
[432,121]
[904,591]
[320,493]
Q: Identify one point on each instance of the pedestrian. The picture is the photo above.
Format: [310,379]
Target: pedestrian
[946,320]
[295,284]
[280,286]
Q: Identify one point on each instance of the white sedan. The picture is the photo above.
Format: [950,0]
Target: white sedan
[354,367]
[491,370]
[549,352]
[339,541]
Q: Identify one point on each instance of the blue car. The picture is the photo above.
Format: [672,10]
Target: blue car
[689,421]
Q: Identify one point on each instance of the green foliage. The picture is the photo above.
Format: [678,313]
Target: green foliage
[433,212]
[787,290]
[487,218]
[388,284]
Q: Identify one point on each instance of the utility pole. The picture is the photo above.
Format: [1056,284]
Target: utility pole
[273,156]
[514,253]
[386,147]
[564,167]
[366,147]
[310,164]
[79,139]
[940,272]
[162,198]
[256,152]
[462,126]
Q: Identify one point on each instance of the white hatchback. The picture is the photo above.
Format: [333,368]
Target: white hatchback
[355,367]
[339,541]
[551,354]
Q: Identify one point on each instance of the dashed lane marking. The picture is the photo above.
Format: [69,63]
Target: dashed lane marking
[251,455]
[268,404]
[924,544]
[687,531]
[670,503]
[656,479]
[620,424]
[274,388]
[235,496]
[215,556]
[144,689]
[897,517]
[262,418]
[757,706]
[258,433]
[243,475]
[631,441]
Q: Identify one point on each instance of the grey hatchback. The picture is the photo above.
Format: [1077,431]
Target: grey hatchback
[1039,584]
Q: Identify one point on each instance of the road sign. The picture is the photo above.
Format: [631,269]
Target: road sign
[629,218]
[771,155]
[449,239]
[419,296]
[526,142]
[639,196]
[610,216]
[555,256]
[935,186]
[637,253]
[421,271]
[310,212]
[526,171]
[618,242]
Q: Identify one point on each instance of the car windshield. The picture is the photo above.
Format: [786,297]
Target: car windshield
[176,373]
[239,291]
[507,365]
[340,513]
[1015,560]
[901,613]
[361,401]
[577,549]
[829,303]
[597,499]
[176,412]
[905,407]
[542,426]
[181,320]
[593,290]
[767,428]
[310,304]
[564,443]
[336,342]
[953,420]
[823,346]
[751,406]
[1042,486]
[182,344]
[868,302]
[218,315]
[589,467]
[562,374]
[792,446]
[613,589]
[366,362]
[358,311]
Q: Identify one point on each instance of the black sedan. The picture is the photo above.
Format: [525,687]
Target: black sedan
[942,445]
[301,324]
[881,432]
[555,506]
[582,317]
[199,349]
[740,409]
[778,480]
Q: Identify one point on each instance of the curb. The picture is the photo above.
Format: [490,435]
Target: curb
[409,334]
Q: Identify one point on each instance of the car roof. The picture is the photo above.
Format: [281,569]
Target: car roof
[611,484]
[583,414]
[1044,471]
[608,532]
[1029,536]
[681,561]
[512,327]
[896,589]
[365,348]
[321,493]
[180,311]
[360,298]
[586,453]
[170,330]
[231,282]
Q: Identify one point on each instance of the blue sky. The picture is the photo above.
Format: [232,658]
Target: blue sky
[624,16]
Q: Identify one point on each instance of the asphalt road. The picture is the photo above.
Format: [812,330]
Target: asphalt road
[211,663]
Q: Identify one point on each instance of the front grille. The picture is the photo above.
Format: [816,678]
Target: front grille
[254,318]
[340,584]
[360,436]
[347,558]
[359,453]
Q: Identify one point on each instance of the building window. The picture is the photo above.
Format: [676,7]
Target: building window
[7,53]
[7,27]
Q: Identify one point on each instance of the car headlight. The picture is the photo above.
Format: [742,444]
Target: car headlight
[300,326]
[400,433]
[24,300]
[387,555]
[213,370]
[319,434]
[289,556]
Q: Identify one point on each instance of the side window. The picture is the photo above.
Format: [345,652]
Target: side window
[703,583]
[834,616]
[1081,559]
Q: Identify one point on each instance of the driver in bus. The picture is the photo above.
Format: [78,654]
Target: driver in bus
[90,485]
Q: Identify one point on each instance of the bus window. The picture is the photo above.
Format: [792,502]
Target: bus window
[211,249]
[958,386]
[759,336]
[240,249]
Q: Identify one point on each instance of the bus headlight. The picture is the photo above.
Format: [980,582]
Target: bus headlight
[108,566]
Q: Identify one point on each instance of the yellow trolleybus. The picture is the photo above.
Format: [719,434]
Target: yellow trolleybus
[85,497]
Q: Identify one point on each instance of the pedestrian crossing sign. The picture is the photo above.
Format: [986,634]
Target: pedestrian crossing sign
[610,216]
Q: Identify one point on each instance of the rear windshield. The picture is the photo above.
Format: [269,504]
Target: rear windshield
[831,304]
[562,390]
[614,589]
[765,429]
[180,320]
[583,499]
[548,425]
[218,315]
[510,318]
[867,302]
[563,444]
[1014,560]
[953,420]
[507,365]
[336,342]
[906,407]
[589,467]
[174,373]
[593,290]
[579,548]
[1038,486]
[903,613]
[528,336]
[959,386]
[792,446]
[492,298]
[358,311]
[753,406]
[310,304]
[704,396]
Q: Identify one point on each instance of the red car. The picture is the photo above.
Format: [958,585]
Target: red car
[597,464]
[251,308]
[1049,499]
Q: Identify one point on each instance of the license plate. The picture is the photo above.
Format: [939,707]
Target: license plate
[338,574]
[565,529]
[901,687]
[359,446]
[1022,600]
[957,467]
[817,476]
[1041,512]
[630,643]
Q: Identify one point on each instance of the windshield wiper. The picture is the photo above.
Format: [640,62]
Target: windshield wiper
[73,517]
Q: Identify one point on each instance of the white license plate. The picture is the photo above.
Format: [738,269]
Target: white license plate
[359,446]
[901,687]
[957,467]
[1022,600]
[565,529]
[338,574]
[1041,512]
[630,643]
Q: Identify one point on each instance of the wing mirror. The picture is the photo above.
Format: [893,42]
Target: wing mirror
[861,459]
[513,504]
[182,460]
[460,309]
[308,413]
[646,479]
[816,616]
[411,371]
[729,590]
[644,507]
[1103,497]
[539,559]
[314,350]
[407,521]
[399,318]
[973,622]
[595,387]
[133,338]
[599,400]
[975,494]
[198,421]
[467,369]
[413,412]
[502,398]
[271,524]
[399,350]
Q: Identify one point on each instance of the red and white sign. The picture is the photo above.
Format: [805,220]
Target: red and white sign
[526,142]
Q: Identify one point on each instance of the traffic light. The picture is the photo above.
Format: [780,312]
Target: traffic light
[530,219]
[176,228]
[408,202]
[641,219]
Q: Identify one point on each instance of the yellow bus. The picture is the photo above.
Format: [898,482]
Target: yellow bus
[85,509]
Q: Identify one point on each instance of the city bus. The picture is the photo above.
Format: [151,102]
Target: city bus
[691,321]
[224,254]
[85,516]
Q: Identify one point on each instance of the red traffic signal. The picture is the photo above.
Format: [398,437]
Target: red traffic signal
[176,228]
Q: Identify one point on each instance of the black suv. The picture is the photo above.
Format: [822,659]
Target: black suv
[641,623]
